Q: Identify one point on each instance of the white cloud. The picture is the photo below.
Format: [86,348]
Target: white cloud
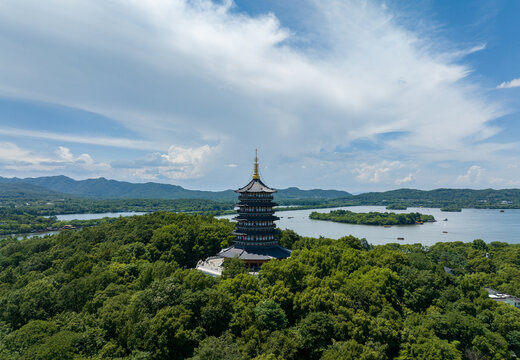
[12,157]
[472,176]
[200,75]
[185,163]
[84,160]
[509,84]
[64,153]
[232,165]
[410,177]
[10,152]
[375,173]
[178,163]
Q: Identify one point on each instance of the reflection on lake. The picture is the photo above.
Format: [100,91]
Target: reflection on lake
[486,224]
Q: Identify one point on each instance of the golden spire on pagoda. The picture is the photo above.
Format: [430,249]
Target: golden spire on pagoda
[256,175]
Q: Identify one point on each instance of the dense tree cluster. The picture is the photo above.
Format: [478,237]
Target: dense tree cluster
[125,291]
[371,218]
[46,207]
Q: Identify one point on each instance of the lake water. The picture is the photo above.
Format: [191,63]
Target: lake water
[467,225]
[486,224]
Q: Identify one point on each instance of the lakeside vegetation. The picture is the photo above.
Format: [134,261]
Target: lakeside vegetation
[120,291]
[372,218]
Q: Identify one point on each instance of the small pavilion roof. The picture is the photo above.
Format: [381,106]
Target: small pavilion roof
[255,186]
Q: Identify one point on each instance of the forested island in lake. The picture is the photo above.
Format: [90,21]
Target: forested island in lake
[372,218]
[451,209]
[125,291]
[396,207]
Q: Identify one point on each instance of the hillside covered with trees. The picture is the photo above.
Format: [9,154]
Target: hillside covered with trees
[125,291]
[102,188]
[466,198]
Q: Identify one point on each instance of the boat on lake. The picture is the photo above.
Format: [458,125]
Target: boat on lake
[501,210]
[400,238]
[445,219]
[444,232]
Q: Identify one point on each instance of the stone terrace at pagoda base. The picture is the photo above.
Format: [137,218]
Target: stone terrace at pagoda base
[254,257]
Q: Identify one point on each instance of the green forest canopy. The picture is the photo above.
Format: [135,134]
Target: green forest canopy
[125,291]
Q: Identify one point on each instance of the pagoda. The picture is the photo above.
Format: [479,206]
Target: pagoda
[256,236]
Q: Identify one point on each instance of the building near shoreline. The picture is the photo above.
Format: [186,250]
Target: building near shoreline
[256,236]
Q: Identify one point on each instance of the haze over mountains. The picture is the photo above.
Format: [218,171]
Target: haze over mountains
[113,189]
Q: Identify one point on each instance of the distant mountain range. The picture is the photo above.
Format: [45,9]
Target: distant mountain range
[113,189]
[101,188]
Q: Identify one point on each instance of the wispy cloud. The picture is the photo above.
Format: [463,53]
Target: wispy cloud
[92,140]
[509,84]
[465,52]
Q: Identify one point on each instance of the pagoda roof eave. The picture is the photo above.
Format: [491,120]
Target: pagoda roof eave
[255,186]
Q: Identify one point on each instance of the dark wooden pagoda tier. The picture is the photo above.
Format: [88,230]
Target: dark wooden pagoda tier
[256,236]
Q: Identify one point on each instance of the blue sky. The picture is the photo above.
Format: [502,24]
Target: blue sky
[347,94]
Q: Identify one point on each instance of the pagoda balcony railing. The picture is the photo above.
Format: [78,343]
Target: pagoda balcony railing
[256,243]
[255,217]
[254,234]
[255,196]
[262,229]
[256,238]
[246,224]
[255,211]
[246,198]
[256,203]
